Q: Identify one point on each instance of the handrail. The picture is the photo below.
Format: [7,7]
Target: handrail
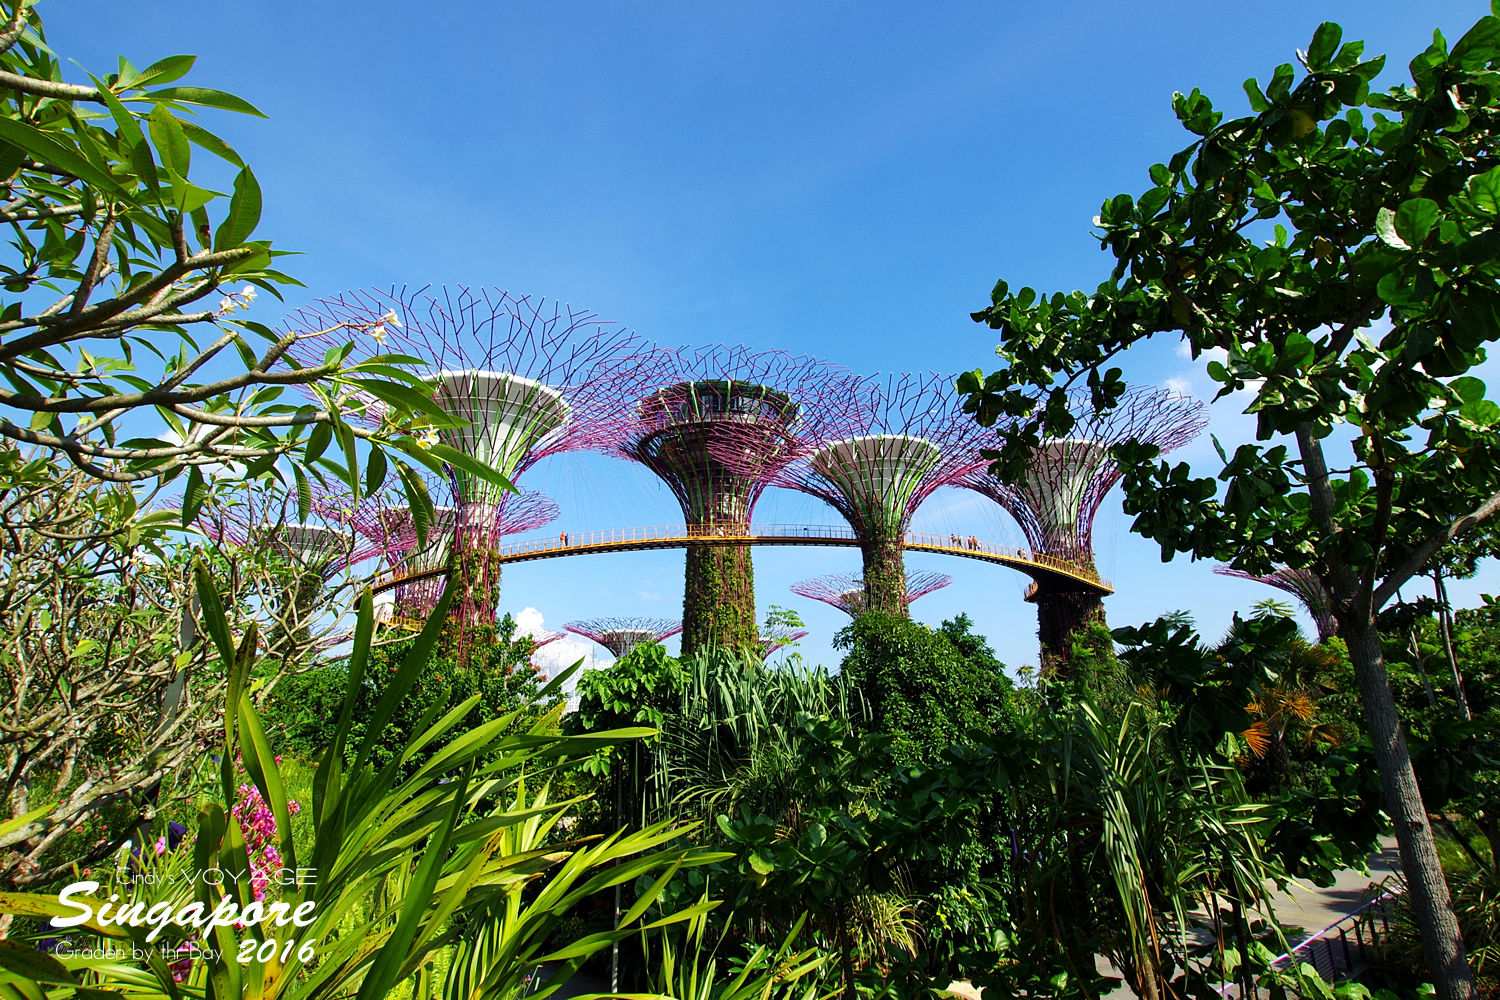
[673,535]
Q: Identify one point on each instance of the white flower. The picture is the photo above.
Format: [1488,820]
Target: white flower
[427,438]
[378,333]
[226,305]
[391,318]
[248,294]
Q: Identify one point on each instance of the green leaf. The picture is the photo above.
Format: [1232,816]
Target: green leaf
[1325,43]
[1385,228]
[1258,102]
[211,612]
[205,139]
[164,70]
[260,764]
[171,143]
[1415,219]
[192,495]
[375,469]
[207,98]
[465,463]
[32,964]
[1483,191]
[41,146]
[304,493]
[1467,388]
[244,212]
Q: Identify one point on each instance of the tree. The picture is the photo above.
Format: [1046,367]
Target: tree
[1343,270]
[925,689]
[116,257]
[107,693]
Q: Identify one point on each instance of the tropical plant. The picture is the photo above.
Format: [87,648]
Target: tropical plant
[397,865]
[1341,269]
[924,689]
[692,970]
[109,693]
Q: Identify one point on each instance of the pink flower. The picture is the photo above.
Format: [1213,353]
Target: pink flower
[161,846]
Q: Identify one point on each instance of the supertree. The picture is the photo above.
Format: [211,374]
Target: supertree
[263,520]
[421,560]
[543,638]
[621,635]
[527,374]
[724,423]
[913,439]
[773,637]
[1063,487]
[846,591]
[1302,584]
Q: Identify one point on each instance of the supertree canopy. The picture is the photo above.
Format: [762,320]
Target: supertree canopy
[527,374]
[723,423]
[1302,584]
[846,591]
[773,637]
[1067,480]
[914,439]
[621,635]
[265,518]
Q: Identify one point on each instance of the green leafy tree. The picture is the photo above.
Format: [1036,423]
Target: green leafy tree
[1333,253]
[923,689]
[124,279]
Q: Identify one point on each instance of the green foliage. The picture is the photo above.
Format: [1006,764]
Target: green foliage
[718,605]
[1336,251]
[639,687]
[402,868]
[691,970]
[303,713]
[926,689]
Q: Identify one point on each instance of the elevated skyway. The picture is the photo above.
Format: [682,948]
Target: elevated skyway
[1050,573]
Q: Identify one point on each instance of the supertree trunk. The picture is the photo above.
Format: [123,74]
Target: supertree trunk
[718,604]
[1060,617]
[884,574]
[474,576]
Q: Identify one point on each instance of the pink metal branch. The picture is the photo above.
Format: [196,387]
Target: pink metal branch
[1067,481]
[910,438]
[846,591]
[265,518]
[1302,584]
[777,636]
[721,422]
[621,635]
[529,373]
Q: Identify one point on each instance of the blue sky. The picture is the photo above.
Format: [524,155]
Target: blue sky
[841,179]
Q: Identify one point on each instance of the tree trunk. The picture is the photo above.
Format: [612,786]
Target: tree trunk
[1441,940]
[718,600]
[884,574]
[1059,618]
[1444,623]
[1420,662]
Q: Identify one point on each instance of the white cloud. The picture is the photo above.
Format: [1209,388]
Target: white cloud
[648,595]
[1179,384]
[555,657]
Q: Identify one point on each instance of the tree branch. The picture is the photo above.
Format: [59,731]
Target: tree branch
[1424,553]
